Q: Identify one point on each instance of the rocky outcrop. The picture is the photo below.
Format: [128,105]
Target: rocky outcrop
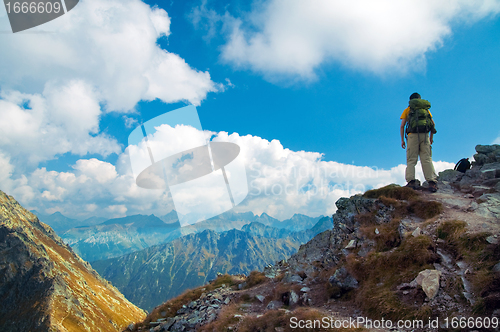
[194,314]
[325,250]
[482,181]
[486,154]
[45,286]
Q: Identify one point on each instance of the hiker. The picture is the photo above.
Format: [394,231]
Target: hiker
[419,123]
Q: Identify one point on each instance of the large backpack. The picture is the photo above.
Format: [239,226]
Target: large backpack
[463,165]
[419,119]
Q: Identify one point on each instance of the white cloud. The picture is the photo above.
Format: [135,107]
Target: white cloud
[129,122]
[110,45]
[101,171]
[281,182]
[294,37]
[58,79]
[37,127]
[497,140]
[94,188]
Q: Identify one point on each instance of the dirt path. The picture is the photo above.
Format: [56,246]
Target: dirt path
[460,206]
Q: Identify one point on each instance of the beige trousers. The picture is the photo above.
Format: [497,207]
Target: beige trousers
[419,145]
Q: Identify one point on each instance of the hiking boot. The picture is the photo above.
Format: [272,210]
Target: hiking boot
[412,184]
[433,186]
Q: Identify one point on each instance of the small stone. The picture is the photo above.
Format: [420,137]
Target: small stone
[294,298]
[406,292]
[305,289]
[351,245]
[290,278]
[274,305]
[496,268]
[260,298]
[416,232]
[377,231]
[341,278]
[492,240]
[429,280]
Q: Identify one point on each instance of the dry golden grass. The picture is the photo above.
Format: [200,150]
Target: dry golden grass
[255,278]
[225,319]
[281,319]
[425,209]
[380,272]
[392,191]
[481,257]
[387,238]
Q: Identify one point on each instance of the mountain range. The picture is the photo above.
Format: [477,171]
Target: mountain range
[60,223]
[166,270]
[119,236]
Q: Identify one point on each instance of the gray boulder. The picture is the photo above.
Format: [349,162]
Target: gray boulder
[342,279]
[449,175]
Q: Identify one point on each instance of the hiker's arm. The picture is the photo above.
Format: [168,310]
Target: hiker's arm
[402,132]
[431,136]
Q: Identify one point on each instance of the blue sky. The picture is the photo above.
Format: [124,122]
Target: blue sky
[316,86]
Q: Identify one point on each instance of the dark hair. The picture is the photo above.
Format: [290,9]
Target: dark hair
[415,96]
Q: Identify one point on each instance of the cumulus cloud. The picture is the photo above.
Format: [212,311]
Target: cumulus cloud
[58,79]
[281,182]
[94,187]
[111,45]
[293,37]
[37,127]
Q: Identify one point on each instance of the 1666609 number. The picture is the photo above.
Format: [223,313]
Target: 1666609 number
[471,322]
[33,7]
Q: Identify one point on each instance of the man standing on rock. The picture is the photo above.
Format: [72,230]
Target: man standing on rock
[419,123]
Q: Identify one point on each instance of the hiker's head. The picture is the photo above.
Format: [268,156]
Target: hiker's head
[415,96]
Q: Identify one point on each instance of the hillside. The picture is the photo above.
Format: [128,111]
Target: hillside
[45,286]
[430,262]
